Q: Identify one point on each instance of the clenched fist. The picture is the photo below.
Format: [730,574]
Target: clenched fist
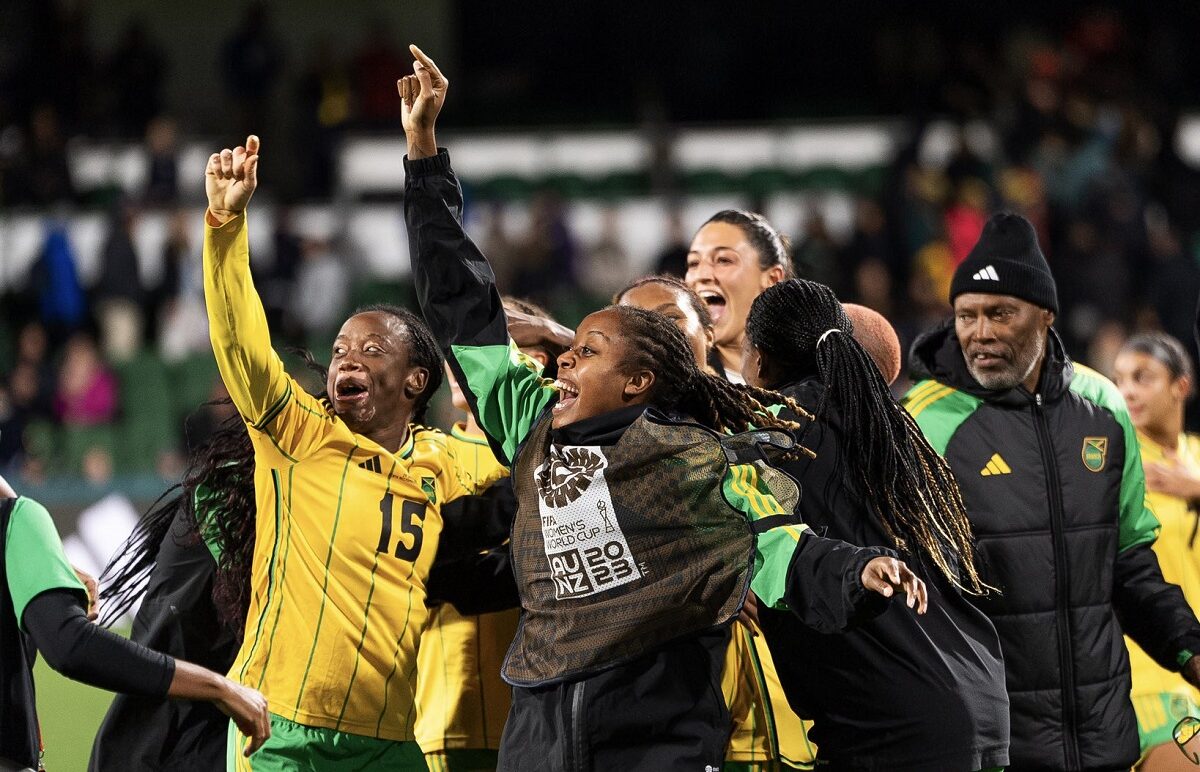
[230,180]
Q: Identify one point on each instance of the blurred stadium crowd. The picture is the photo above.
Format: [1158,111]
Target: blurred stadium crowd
[103,347]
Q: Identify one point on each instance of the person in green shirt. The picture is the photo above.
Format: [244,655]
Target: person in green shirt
[43,608]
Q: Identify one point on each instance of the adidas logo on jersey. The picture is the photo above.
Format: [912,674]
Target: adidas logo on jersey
[372,465]
[986,274]
[995,465]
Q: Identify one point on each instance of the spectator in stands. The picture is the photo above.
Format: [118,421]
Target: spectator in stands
[119,292]
[12,430]
[179,298]
[375,68]
[548,252]
[672,259]
[48,174]
[607,264]
[136,70]
[33,377]
[162,182]
[87,389]
[322,289]
[55,282]
[251,61]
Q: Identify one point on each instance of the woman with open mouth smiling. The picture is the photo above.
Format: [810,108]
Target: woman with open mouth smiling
[733,258]
[640,525]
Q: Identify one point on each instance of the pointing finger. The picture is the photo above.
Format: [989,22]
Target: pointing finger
[426,63]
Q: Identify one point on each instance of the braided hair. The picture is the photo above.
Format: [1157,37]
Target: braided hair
[656,344]
[773,247]
[802,329]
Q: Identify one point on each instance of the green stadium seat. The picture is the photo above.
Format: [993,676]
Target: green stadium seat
[191,381]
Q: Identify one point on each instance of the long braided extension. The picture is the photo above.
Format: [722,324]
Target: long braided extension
[657,345]
[801,329]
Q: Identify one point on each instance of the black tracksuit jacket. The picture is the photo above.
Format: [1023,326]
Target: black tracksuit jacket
[898,692]
[663,710]
[1054,488]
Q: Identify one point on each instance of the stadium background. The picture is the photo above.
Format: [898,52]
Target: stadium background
[593,138]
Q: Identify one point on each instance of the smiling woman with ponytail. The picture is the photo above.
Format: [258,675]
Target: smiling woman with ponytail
[900,692]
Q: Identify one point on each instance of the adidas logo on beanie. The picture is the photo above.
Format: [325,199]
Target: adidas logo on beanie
[1007,261]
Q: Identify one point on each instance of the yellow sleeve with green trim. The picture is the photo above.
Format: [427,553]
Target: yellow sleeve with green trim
[745,491]
[269,399]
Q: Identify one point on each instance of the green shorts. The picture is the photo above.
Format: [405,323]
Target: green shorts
[462,760]
[297,748]
[1157,715]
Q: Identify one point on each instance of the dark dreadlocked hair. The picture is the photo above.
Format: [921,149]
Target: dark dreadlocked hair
[217,498]
[424,352]
[657,345]
[773,247]
[802,330]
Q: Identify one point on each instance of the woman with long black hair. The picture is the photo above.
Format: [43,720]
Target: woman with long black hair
[900,692]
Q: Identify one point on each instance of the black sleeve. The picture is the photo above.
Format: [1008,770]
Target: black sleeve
[455,285]
[479,584]
[824,585]
[85,652]
[1153,611]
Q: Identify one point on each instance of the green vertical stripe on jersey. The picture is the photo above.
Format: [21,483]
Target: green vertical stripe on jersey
[399,644]
[262,615]
[287,548]
[337,516]
[366,611]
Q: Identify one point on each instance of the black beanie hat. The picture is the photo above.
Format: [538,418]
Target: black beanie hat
[1007,261]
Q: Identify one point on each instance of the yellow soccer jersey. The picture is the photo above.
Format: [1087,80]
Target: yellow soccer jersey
[1178,552]
[461,700]
[764,727]
[345,530]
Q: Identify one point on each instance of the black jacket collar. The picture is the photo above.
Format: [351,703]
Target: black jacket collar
[604,429]
[937,355]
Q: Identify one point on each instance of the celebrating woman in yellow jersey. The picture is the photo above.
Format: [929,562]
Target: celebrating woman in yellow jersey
[1154,374]
[348,494]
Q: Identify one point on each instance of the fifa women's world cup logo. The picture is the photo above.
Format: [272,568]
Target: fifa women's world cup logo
[585,547]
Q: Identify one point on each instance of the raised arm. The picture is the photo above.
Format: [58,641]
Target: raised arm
[455,284]
[237,323]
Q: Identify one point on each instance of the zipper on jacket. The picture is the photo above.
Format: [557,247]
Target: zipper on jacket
[575,738]
[1062,586]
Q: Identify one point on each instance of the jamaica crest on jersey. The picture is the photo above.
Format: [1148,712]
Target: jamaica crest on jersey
[585,546]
